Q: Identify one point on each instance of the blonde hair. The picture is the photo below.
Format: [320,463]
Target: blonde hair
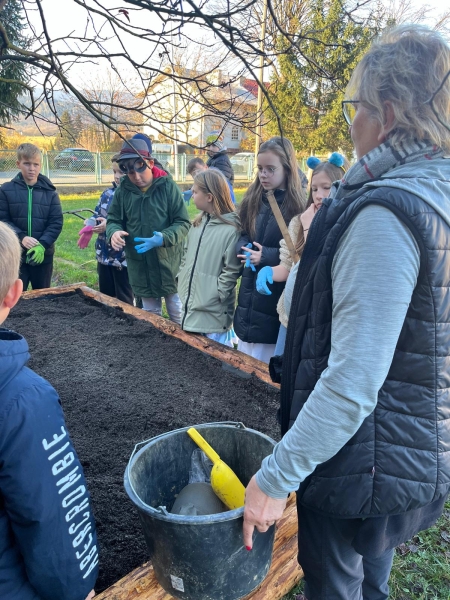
[28,151]
[10,254]
[213,182]
[334,173]
[294,200]
[406,66]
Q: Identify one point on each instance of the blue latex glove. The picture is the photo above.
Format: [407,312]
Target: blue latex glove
[248,264]
[149,243]
[265,276]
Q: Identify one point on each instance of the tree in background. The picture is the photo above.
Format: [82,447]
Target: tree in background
[307,93]
[13,74]
[310,76]
[68,134]
[116,98]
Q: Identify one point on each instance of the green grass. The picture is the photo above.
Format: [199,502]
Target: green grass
[421,568]
[72,265]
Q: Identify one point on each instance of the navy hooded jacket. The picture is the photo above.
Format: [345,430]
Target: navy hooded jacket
[221,161]
[16,198]
[48,544]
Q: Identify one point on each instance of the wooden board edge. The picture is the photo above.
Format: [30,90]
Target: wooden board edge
[52,291]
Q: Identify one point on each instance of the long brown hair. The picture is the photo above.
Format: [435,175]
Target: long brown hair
[213,182]
[334,173]
[294,200]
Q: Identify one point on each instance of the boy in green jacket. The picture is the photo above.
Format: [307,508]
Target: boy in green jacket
[148,217]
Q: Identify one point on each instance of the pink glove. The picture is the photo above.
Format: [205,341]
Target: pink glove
[85,236]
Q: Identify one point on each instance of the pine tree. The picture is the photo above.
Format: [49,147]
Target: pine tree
[68,134]
[11,17]
[308,94]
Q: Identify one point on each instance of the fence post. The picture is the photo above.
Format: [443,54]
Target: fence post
[45,167]
[183,167]
[250,169]
[98,168]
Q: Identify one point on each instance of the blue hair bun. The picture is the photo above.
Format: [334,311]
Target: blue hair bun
[336,159]
[313,162]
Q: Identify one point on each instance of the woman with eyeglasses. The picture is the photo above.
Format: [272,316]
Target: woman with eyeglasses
[256,320]
[365,388]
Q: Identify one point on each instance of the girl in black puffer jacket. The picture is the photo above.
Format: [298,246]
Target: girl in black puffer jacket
[256,320]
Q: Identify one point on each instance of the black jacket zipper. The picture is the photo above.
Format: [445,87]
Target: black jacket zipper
[192,271]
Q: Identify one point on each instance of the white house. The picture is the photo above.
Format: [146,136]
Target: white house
[192,111]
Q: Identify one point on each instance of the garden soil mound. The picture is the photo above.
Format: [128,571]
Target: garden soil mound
[122,381]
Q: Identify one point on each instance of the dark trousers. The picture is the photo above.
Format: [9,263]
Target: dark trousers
[113,282]
[40,276]
[333,569]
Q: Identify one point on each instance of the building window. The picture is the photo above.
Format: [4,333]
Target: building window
[235,133]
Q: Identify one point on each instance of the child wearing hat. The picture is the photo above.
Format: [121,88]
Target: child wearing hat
[148,218]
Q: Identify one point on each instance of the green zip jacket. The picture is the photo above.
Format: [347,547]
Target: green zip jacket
[208,275]
[161,208]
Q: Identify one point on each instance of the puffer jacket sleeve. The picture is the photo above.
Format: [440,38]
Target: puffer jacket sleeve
[179,218]
[99,205]
[54,222]
[270,256]
[223,163]
[183,258]
[5,215]
[231,270]
[45,495]
[243,240]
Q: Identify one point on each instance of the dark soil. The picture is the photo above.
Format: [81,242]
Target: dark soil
[122,381]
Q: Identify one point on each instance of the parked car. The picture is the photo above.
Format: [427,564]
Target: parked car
[75,159]
[241,161]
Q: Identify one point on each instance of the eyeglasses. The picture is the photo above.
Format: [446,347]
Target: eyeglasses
[268,171]
[133,165]
[349,109]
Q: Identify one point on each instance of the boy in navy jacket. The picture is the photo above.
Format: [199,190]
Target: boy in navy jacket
[30,205]
[48,544]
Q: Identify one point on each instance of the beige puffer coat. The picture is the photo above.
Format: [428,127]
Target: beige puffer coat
[286,261]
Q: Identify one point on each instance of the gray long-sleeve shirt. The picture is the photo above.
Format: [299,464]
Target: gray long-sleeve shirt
[374,273]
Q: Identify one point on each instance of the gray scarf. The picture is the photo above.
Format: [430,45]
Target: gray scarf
[380,161]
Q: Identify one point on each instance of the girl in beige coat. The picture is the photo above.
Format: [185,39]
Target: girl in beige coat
[210,268]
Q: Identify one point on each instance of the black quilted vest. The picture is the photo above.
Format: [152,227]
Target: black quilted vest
[399,459]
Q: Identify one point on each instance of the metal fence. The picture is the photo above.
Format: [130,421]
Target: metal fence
[80,167]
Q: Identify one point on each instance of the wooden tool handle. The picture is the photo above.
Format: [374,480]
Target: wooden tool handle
[203,444]
[282,225]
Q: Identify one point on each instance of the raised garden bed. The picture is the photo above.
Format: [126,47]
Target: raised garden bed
[122,380]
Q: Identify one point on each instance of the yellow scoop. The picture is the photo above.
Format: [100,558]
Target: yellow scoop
[224,481]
